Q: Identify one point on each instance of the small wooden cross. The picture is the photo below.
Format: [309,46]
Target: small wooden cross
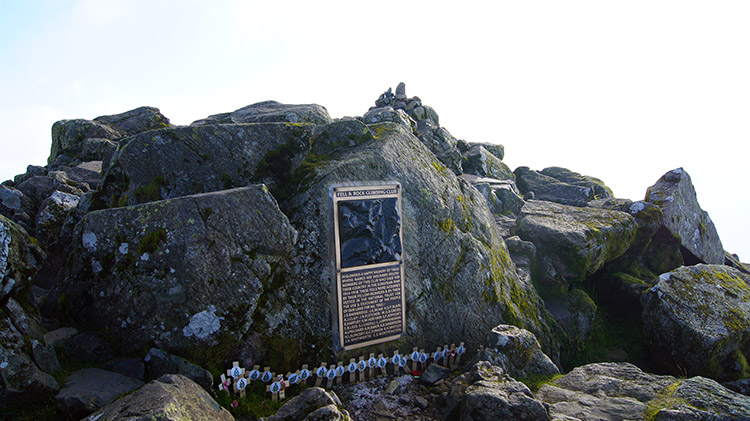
[352,369]
[382,363]
[340,372]
[437,356]
[225,383]
[460,351]
[371,364]
[267,375]
[321,373]
[414,359]
[274,388]
[361,366]
[452,358]
[304,374]
[331,374]
[422,360]
[254,374]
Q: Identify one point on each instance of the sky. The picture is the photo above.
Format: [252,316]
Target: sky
[622,91]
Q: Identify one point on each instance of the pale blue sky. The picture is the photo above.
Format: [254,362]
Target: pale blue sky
[623,91]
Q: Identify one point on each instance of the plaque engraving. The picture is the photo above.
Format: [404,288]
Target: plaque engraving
[369,266]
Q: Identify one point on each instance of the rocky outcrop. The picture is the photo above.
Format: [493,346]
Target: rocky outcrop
[170,397]
[540,186]
[270,112]
[196,266]
[486,392]
[312,404]
[89,389]
[455,259]
[573,242]
[675,195]
[697,320]
[623,391]
[76,141]
[481,162]
[517,352]
[181,161]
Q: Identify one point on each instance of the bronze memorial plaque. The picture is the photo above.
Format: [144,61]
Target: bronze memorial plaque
[369,264]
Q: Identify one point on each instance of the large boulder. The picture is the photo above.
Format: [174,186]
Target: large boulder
[517,352]
[89,389]
[308,402]
[675,194]
[623,391]
[696,319]
[271,112]
[481,162]
[573,242]
[454,256]
[172,396]
[180,161]
[486,392]
[536,185]
[75,141]
[196,267]
[597,186]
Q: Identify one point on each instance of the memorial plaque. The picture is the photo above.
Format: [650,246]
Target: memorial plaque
[369,264]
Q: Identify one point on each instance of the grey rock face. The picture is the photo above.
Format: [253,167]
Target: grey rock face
[502,196]
[675,194]
[141,119]
[307,403]
[481,162]
[51,217]
[89,389]
[518,352]
[172,396]
[454,257]
[271,112]
[573,242]
[390,114]
[713,400]
[159,362]
[195,265]
[487,393]
[597,186]
[548,188]
[494,148]
[181,161]
[697,319]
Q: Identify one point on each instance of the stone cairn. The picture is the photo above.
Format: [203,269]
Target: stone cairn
[237,379]
[398,101]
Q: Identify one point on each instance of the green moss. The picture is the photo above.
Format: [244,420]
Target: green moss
[665,399]
[536,381]
[151,241]
[283,353]
[206,213]
[255,405]
[226,181]
[151,192]
[439,167]
[446,225]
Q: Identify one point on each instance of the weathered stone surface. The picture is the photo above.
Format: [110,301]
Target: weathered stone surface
[51,217]
[19,258]
[481,162]
[306,405]
[697,319]
[71,137]
[180,161]
[390,114]
[442,144]
[271,112]
[502,195]
[455,258]
[172,397]
[130,367]
[486,393]
[135,121]
[545,187]
[494,148]
[573,242]
[15,206]
[195,265]
[21,379]
[434,373]
[523,253]
[159,362]
[675,194]
[603,391]
[89,389]
[518,352]
[597,186]
[623,391]
[88,347]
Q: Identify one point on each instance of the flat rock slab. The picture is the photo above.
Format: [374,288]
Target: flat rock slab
[271,111]
[186,262]
[170,397]
[89,389]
